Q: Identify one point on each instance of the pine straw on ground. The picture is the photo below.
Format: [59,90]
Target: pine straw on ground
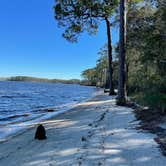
[151,120]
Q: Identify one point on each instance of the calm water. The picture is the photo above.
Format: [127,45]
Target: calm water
[24,103]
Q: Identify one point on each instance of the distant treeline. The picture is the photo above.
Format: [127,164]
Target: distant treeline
[34,79]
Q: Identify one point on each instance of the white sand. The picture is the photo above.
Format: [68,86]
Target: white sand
[108,133]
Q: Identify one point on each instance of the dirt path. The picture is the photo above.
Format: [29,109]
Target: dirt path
[96,133]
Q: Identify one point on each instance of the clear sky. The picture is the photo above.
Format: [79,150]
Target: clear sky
[31,43]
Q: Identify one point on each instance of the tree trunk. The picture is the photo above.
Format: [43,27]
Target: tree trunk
[111,86]
[121,99]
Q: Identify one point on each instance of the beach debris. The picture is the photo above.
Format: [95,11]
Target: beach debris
[100,163]
[90,124]
[48,110]
[83,138]
[90,134]
[102,116]
[40,133]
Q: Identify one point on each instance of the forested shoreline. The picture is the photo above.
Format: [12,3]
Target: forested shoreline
[35,79]
[145,56]
[137,64]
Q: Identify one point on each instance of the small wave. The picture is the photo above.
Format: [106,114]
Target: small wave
[14,96]
[7,96]
[48,110]
[45,110]
[14,116]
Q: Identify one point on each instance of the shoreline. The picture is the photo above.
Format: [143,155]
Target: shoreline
[96,132]
[28,125]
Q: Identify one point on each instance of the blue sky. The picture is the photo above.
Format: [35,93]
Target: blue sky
[31,43]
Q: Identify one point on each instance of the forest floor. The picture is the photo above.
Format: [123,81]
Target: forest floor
[153,121]
[95,133]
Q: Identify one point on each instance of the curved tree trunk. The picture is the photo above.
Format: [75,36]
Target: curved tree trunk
[111,86]
[121,99]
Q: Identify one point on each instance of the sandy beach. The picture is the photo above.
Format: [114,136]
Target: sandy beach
[94,133]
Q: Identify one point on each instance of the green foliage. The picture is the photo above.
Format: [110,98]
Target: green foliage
[89,77]
[82,15]
[145,47]
[153,99]
[99,75]
[146,53]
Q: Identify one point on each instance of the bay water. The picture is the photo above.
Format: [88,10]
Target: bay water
[25,103]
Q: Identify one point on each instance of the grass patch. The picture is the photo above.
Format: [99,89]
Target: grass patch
[152,99]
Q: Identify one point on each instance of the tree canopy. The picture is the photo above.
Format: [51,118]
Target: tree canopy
[78,16]
[145,53]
